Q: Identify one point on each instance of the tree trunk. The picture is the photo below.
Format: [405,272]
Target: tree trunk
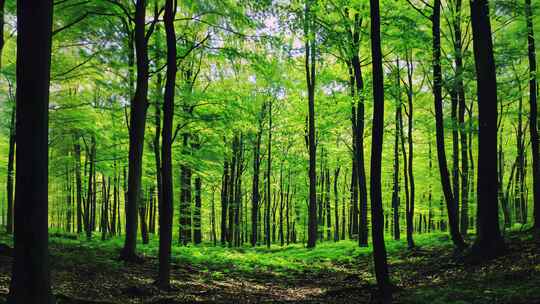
[409,113]
[489,241]
[458,49]
[310,79]
[165,204]
[395,188]
[336,204]
[441,153]
[139,106]
[224,201]
[533,116]
[377,218]
[30,280]
[255,182]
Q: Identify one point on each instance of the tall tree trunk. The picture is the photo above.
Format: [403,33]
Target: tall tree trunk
[224,201]
[165,204]
[136,132]
[336,204]
[30,279]
[533,116]
[458,50]
[310,79]
[268,173]
[441,153]
[255,182]
[395,188]
[78,182]
[377,218]
[409,164]
[489,241]
[156,143]
[197,226]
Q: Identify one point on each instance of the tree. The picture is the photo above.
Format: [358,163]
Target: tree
[166,203]
[139,106]
[377,219]
[489,242]
[533,116]
[310,79]
[30,281]
[451,207]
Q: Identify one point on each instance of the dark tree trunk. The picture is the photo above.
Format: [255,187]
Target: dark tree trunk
[281,206]
[458,49]
[30,280]
[10,171]
[336,205]
[213,218]
[395,188]
[197,226]
[115,201]
[78,182]
[139,106]
[268,174]
[142,215]
[533,116]
[255,183]
[310,79]
[489,241]
[165,204]
[224,201]
[106,187]
[327,206]
[410,120]
[441,153]
[156,146]
[377,218]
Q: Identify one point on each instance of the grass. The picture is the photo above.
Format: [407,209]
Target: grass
[334,272]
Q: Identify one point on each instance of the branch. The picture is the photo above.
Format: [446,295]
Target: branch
[81,18]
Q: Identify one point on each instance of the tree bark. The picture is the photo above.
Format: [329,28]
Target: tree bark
[441,153]
[489,242]
[533,116]
[30,280]
[310,79]
[377,218]
[139,106]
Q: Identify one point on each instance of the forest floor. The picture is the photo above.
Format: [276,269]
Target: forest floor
[85,272]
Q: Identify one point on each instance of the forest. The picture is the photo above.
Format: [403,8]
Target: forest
[269,151]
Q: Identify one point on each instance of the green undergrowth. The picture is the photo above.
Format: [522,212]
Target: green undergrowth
[288,260]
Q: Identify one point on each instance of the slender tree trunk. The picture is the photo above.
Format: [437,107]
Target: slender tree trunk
[224,202]
[377,218]
[395,188]
[533,116]
[165,204]
[437,93]
[409,113]
[255,182]
[136,132]
[489,241]
[310,79]
[197,225]
[458,49]
[30,279]
[336,204]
